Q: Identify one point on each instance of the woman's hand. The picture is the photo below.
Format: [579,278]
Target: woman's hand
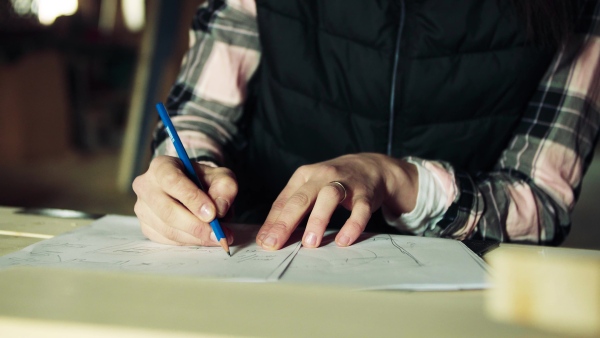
[366,182]
[173,210]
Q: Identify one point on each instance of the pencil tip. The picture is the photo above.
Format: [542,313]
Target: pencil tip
[229,253]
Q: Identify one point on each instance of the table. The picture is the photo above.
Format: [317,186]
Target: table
[68,303]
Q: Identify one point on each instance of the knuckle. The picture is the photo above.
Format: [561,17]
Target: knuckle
[225,185]
[154,163]
[279,227]
[233,189]
[137,185]
[170,233]
[300,199]
[278,205]
[363,204]
[332,192]
[303,170]
[158,163]
[171,178]
[137,208]
[318,221]
[191,196]
[167,213]
[199,230]
[328,170]
[161,159]
[355,226]
[226,172]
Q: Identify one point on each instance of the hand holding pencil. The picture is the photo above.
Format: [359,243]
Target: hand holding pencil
[173,206]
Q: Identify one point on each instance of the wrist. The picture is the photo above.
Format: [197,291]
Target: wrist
[402,186]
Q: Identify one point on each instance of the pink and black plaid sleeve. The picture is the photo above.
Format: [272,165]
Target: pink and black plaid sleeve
[206,101]
[531,192]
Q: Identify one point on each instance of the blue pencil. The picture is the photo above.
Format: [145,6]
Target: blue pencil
[189,169]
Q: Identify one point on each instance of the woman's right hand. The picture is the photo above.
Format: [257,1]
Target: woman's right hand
[173,210]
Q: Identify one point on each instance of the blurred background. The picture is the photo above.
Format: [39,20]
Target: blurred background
[78,81]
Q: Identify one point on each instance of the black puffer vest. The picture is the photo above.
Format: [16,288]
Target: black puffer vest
[436,79]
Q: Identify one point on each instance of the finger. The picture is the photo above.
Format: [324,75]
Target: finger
[228,234]
[276,233]
[356,223]
[155,236]
[173,181]
[222,188]
[327,201]
[295,182]
[276,209]
[174,215]
[156,230]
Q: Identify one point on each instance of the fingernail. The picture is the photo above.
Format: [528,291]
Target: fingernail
[213,237]
[310,239]
[207,213]
[222,206]
[343,241]
[269,242]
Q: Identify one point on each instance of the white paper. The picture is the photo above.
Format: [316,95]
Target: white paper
[117,243]
[381,261]
[375,261]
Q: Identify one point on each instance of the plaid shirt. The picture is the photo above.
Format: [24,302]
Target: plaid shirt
[528,196]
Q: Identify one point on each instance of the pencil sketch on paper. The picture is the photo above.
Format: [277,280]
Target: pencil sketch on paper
[116,243]
[367,254]
[389,262]
[377,261]
[399,247]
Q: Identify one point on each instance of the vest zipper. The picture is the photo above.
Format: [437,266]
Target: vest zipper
[394,78]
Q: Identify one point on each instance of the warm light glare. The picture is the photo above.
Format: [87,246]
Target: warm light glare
[134,14]
[49,10]
[21,7]
[108,15]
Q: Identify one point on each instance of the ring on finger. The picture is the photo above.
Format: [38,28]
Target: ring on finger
[340,185]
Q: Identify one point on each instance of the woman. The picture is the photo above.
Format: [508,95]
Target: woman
[464,120]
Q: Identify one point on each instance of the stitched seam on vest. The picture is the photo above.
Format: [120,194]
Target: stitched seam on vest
[279,146]
[331,105]
[320,29]
[471,120]
[474,53]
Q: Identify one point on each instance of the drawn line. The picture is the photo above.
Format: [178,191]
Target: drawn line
[404,251]
[247,258]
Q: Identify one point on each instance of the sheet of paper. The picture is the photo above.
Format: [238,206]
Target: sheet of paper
[379,261]
[117,243]
[375,261]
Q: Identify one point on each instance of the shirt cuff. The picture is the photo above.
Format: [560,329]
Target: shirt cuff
[198,147]
[432,199]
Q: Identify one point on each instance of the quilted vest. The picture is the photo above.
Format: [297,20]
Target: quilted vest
[437,79]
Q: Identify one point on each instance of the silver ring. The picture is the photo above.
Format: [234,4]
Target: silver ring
[338,183]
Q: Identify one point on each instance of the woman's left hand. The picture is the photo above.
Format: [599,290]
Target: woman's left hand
[360,183]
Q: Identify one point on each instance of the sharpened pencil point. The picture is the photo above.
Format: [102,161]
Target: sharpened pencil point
[225,246]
